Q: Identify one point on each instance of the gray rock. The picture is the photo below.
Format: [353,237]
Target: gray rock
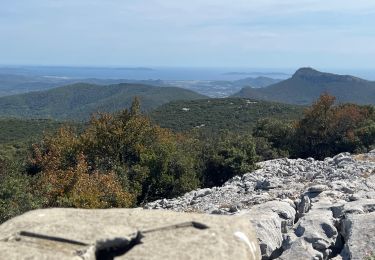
[271,220]
[266,185]
[315,234]
[322,192]
[317,188]
[301,250]
[359,234]
[202,193]
[361,206]
[225,238]
[303,206]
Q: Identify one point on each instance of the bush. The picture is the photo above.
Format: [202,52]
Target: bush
[15,192]
[327,130]
[274,138]
[227,156]
[266,150]
[118,161]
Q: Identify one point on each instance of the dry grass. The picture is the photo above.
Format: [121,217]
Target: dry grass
[364,157]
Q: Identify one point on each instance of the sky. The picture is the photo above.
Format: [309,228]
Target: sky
[194,33]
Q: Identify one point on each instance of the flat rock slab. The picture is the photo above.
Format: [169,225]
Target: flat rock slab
[226,237]
[359,233]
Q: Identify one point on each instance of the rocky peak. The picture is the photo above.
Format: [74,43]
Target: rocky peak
[313,75]
[307,71]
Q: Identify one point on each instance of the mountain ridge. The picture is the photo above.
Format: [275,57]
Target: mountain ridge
[79,100]
[307,84]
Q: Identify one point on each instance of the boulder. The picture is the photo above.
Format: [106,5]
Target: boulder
[358,231]
[126,234]
[361,206]
[301,250]
[315,235]
[271,220]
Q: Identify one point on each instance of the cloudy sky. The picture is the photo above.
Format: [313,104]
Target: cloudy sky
[199,33]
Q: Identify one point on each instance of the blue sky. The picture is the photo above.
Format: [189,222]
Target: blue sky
[198,33]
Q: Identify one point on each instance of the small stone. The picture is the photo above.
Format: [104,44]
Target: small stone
[234,208]
[304,206]
[317,188]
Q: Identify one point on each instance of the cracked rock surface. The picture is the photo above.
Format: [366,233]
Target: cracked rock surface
[301,209]
[78,234]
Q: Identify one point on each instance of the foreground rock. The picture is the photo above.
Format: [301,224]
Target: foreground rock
[358,231]
[126,234]
[271,221]
[301,209]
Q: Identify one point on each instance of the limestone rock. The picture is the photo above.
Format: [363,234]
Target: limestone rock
[359,234]
[315,235]
[225,238]
[271,221]
[301,250]
[321,193]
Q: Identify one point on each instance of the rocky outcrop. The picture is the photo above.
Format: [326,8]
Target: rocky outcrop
[358,231]
[271,221]
[126,234]
[301,209]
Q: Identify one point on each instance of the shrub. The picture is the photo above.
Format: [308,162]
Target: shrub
[274,138]
[15,192]
[327,130]
[227,156]
[119,160]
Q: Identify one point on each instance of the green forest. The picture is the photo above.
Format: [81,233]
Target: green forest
[128,158]
[213,115]
[77,102]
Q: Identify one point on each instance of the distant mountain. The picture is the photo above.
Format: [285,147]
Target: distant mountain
[258,82]
[78,101]
[258,74]
[307,84]
[218,88]
[11,84]
[221,114]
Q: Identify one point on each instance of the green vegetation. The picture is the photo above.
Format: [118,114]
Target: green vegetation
[370,256]
[16,194]
[17,135]
[79,101]
[214,115]
[325,130]
[307,85]
[258,82]
[119,160]
[225,156]
[12,84]
[125,160]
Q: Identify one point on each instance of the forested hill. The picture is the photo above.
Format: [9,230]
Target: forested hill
[78,101]
[17,135]
[307,85]
[221,114]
